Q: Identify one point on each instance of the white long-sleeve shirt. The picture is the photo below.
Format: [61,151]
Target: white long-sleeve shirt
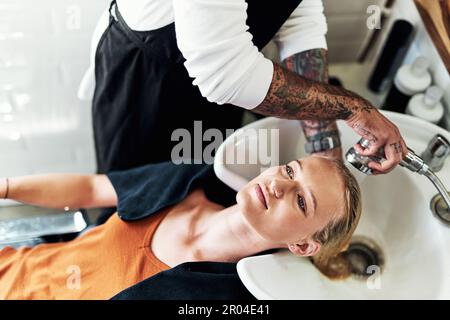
[214,39]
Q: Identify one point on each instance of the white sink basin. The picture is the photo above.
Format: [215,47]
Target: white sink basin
[396,216]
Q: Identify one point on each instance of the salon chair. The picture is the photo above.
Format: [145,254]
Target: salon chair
[47,228]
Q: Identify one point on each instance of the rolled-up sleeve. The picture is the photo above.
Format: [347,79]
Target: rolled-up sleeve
[220,55]
[305,29]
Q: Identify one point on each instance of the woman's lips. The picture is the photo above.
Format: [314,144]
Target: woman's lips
[260,195]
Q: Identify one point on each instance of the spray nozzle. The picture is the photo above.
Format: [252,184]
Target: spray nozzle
[411,161]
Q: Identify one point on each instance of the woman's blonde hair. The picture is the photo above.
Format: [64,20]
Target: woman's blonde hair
[336,236]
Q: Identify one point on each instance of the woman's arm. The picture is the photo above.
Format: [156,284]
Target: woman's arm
[61,191]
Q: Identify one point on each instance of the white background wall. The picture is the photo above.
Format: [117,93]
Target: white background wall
[44,50]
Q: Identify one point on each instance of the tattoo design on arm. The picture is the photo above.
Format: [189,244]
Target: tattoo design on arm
[292,96]
[323,134]
[312,64]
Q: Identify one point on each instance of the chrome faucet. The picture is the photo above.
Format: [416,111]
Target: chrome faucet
[412,162]
[436,153]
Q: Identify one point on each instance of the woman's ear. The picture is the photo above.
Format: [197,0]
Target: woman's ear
[306,248]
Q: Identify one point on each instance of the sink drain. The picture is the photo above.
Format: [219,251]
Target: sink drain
[364,257]
[440,209]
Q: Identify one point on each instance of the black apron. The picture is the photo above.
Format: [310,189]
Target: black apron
[143,91]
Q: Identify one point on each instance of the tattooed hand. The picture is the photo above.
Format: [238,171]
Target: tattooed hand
[381,133]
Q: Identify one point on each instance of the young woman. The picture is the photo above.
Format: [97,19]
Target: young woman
[169,215]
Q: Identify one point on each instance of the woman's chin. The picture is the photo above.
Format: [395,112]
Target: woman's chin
[252,212]
[247,203]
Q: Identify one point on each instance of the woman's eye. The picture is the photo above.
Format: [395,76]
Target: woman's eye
[301,202]
[289,171]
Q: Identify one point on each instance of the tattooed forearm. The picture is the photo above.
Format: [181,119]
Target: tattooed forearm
[312,64]
[292,96]
[311,128]
[316,124]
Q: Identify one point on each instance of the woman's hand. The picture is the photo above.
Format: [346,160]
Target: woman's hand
[381,133]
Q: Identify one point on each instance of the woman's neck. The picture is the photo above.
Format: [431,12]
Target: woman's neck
[223,235]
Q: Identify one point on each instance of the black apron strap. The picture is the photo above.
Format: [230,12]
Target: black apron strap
[265,18]
[125,28]
[111,5]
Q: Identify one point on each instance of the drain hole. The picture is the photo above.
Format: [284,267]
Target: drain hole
[364,257]
[440,209]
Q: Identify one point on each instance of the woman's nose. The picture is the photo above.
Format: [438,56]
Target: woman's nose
[279,187]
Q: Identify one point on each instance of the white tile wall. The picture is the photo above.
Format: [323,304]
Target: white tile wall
[44,51]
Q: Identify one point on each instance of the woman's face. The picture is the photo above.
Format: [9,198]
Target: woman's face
[288,204]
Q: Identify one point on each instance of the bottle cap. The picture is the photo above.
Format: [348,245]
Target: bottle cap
[420,66]
[432,96]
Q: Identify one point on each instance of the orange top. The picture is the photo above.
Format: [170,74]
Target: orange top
[97,265]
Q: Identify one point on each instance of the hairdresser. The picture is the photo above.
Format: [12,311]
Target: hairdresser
[160,65]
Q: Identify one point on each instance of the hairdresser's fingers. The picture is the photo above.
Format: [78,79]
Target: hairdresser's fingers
[377,168]
[396,151]
[372,150]
[393,156]
[358,148]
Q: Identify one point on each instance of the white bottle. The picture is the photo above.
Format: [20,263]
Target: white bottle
[409,80]
[414,78]
[427,106]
